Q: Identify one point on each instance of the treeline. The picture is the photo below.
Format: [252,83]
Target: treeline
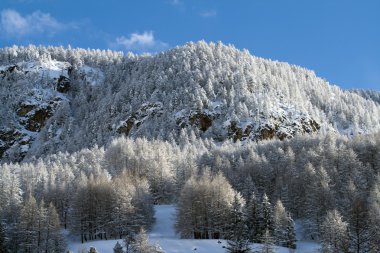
[332,183]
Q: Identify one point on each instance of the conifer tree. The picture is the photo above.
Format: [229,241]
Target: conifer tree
[28,227]
[141,243]
[3,245]
[267,242]
[284,233]
[290,233]
[334,234]
[265,221]
[238,235]
[252,212]
[118,248]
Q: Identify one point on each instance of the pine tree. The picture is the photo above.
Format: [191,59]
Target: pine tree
[238,231]
[252,212]
[290,233]
[3,243]
[283,224]
[141,243]
[374,215]
[53,239]
[265,220]
[28,227]
[129,241]
[118,248]
[268,242]
[334,233]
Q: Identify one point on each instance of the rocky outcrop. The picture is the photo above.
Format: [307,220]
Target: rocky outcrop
[8,70]
[7,138]
[147,110]
[201,120]
[63,84]
[34,117]
[272,128]
[126,126]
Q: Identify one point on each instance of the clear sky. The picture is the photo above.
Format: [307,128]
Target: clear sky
[339,39]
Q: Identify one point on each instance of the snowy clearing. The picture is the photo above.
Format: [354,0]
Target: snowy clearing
[163,232]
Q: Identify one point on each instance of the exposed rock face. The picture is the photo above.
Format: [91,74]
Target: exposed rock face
[147,110]
[63,84]
[281,128]
[11,69]
[126,127]
[7,138]
[35,116]
[201,120]
[25,109]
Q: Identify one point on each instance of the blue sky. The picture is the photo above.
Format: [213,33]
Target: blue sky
[339,39]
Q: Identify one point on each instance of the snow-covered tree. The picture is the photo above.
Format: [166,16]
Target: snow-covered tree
[3,242]
[334,234]
[283,232]
[118,248]
[28,226]
[265,218]
[252,212]
[203,206]
[267,243]
[238,241]
[141,243]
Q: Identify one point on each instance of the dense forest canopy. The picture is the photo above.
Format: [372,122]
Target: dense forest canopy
[67,99]
[91,140]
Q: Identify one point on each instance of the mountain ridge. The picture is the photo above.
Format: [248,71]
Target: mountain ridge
[211,90]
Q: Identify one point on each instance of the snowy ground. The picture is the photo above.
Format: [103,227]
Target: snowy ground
[163,232]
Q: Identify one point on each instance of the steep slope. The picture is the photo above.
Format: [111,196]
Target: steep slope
[58,99]
[369,94]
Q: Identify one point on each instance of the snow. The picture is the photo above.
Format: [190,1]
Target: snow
[163,232]
[94,76]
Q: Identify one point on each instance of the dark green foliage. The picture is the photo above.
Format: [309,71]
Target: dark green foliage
[3,246]
[252,212]
[118,248]
[238,235]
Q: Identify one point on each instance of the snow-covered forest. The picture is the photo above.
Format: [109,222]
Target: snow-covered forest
[103,193]
[91,140]
[57,99]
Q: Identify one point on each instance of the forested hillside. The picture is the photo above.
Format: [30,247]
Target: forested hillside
[58,99]
[90,140]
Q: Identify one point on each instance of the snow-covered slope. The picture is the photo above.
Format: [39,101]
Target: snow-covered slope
[57,99]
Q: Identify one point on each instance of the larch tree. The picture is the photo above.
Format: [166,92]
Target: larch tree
[283,225]
[28,226]
[334,234]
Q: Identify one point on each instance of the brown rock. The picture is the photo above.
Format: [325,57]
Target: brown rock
[63,84]
[127,126]
[24,109]
[202,120]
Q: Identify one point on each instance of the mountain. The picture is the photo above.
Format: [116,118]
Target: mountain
[56,99]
